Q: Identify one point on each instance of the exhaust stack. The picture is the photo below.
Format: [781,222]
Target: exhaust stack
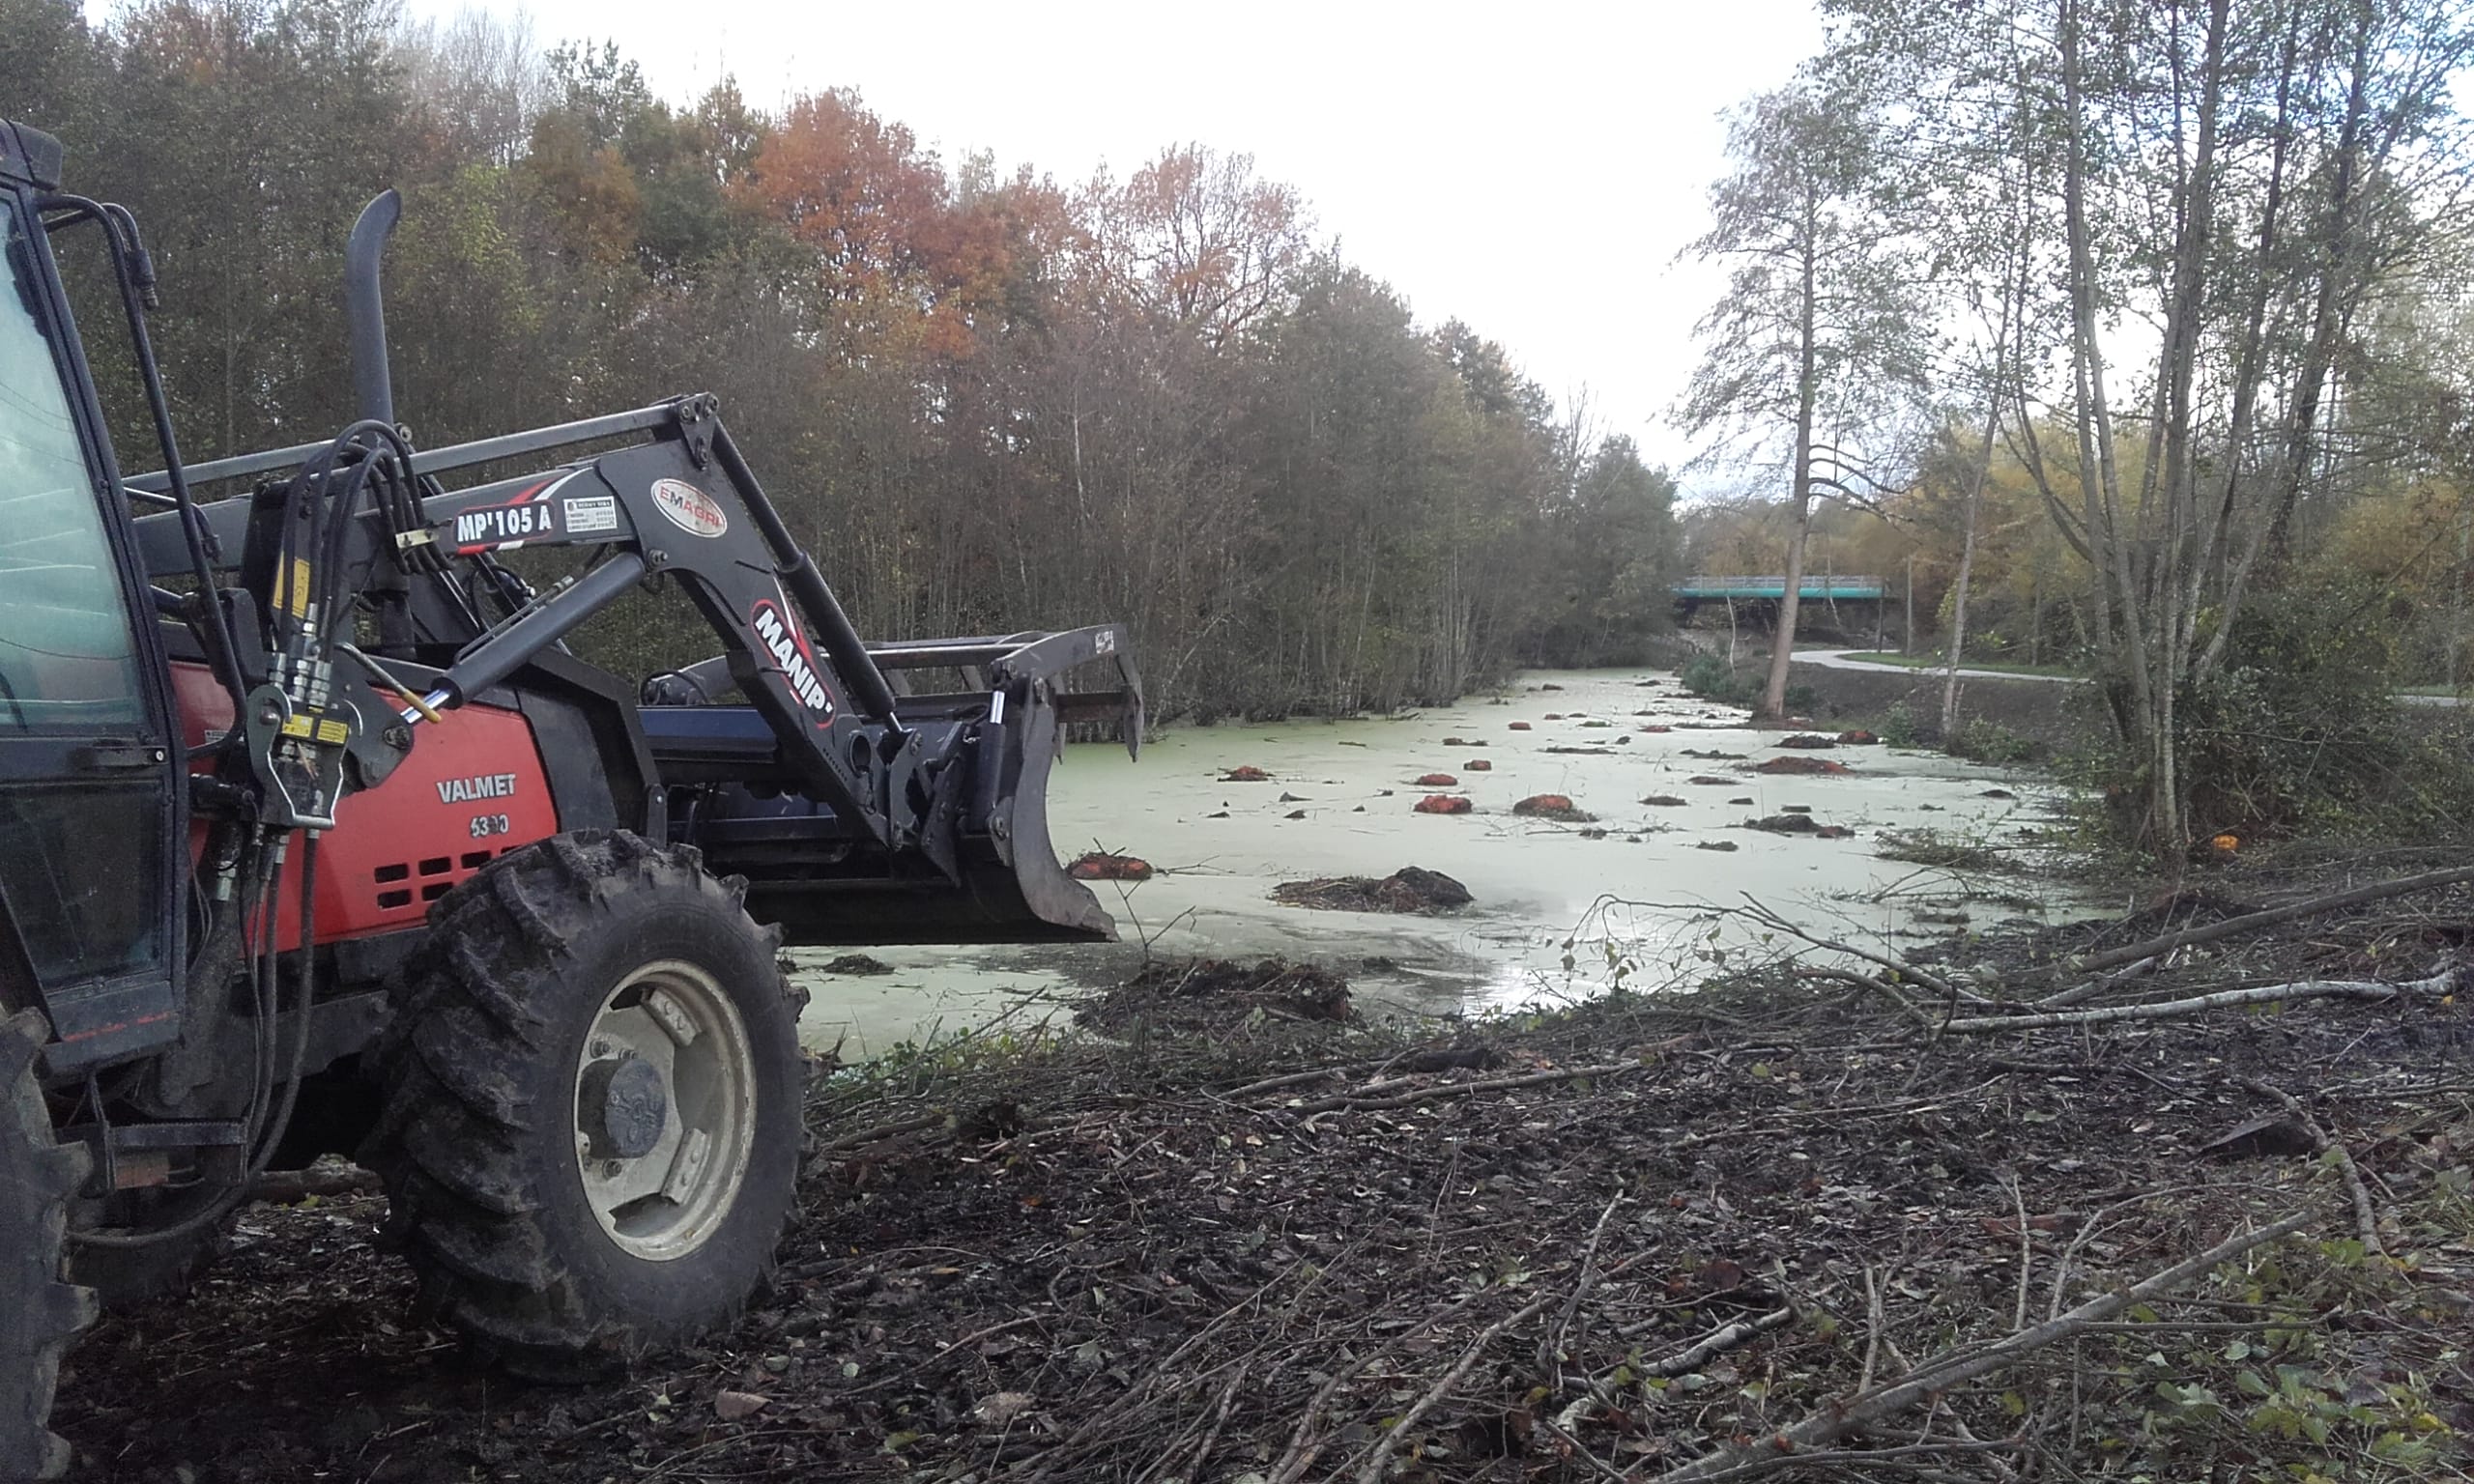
[366,310]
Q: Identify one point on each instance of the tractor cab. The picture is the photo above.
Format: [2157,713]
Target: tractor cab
[90,780]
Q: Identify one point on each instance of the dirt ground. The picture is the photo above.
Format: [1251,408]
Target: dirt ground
[1257,1243]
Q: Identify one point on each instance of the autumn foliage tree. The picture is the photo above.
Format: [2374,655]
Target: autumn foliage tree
[986,402]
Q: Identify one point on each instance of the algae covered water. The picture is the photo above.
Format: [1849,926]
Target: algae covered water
[1557,906]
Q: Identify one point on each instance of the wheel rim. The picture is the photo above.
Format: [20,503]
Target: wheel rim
[664,1110]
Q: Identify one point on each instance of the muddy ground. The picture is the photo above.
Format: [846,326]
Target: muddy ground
[1239,1237]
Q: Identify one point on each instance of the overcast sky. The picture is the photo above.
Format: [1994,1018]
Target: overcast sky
[1532,169]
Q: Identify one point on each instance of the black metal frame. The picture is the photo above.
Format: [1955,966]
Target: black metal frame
[109,1018]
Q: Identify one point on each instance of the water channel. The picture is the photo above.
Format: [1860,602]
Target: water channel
[1337,801]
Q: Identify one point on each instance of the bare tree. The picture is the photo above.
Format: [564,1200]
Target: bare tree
[1819,341]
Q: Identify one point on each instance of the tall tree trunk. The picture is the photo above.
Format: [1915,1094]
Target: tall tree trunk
[2118,612]
[2014,297]
[1782,645]
[1967,569]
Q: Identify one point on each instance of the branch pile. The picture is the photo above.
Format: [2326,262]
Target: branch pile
[1773,1228]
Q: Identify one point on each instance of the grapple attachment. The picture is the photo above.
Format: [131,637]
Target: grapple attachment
[980,866]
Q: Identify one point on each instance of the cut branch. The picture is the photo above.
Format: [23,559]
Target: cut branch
[2372,989]
[2233,927]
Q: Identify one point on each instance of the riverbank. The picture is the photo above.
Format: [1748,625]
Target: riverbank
[2056,714]
[1659,1237]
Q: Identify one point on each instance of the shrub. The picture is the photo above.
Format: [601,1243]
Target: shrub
[1709,678]
[2299,731]
[1981,741]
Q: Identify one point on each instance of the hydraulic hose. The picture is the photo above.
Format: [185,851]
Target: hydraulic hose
[270,1133]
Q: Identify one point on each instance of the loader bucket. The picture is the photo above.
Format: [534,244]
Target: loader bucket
[985,870]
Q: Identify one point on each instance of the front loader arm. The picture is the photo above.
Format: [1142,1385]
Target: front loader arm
[687,506]
[940,799]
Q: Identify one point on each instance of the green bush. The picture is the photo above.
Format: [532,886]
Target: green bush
[1981,741]
[1899,728]
[1709,678]
[2299,731]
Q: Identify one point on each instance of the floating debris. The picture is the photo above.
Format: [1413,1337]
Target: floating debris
[1799,824]
[1552,806]
[1411,889]
[1211,996]
[856,963]
[1103,866]
[1814,766]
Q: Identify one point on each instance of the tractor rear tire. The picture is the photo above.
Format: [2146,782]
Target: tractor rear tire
[593,1104]
[38,1313]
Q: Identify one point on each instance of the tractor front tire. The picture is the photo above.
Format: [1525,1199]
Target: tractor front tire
[593,1088]
[38,1313]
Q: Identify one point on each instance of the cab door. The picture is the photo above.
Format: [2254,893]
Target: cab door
[91,775]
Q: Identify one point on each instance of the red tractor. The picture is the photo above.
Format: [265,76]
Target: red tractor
[314,837]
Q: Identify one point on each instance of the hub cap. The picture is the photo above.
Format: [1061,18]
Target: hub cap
[664,1110]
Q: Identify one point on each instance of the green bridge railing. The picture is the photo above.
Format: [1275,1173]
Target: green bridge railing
[1774,585]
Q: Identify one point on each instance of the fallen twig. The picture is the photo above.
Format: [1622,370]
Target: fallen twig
[1305,1447]
[1880,986]
[867,1136]
[1717,1342]
[1761,913]
[1790,1446]
[2234,926]
[1357,1101]
[1550,1345]
[2096,987]
[2366,1215]
[1379,1463]
[2373,989]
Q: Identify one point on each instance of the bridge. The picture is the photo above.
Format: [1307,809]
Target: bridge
[1816,587]
[1818,596]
